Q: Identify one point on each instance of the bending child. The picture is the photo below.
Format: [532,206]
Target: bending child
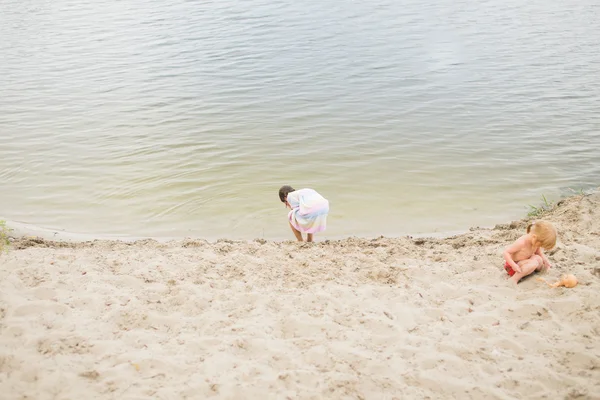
[308,211]
[526,256]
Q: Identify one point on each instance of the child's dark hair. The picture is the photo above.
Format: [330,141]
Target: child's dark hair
[284,191]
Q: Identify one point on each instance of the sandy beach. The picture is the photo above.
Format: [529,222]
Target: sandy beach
[399,318]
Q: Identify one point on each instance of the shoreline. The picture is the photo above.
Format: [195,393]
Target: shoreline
[19,230]
[402,317]
[22,230]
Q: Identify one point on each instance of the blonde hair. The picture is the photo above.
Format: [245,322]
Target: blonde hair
[544,232]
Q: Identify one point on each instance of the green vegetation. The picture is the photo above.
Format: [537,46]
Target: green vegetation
[538,211]
[4,242]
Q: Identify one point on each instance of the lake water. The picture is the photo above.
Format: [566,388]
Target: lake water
[179,118]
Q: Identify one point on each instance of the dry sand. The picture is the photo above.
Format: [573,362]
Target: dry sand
[357,319]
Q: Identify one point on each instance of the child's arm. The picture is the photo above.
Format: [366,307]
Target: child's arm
[510,250]
[540,253]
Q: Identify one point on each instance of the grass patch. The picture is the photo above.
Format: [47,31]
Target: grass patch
[4,242]
[538,211]
[546,206]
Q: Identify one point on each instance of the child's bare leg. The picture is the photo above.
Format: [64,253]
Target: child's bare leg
[296,233]
[528,267]
[309,237]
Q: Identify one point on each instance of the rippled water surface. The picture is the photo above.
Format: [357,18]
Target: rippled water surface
[182,118]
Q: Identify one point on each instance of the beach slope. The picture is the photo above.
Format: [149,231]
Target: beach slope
[357,319]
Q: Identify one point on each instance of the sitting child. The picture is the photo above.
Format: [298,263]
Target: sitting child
[525,255]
